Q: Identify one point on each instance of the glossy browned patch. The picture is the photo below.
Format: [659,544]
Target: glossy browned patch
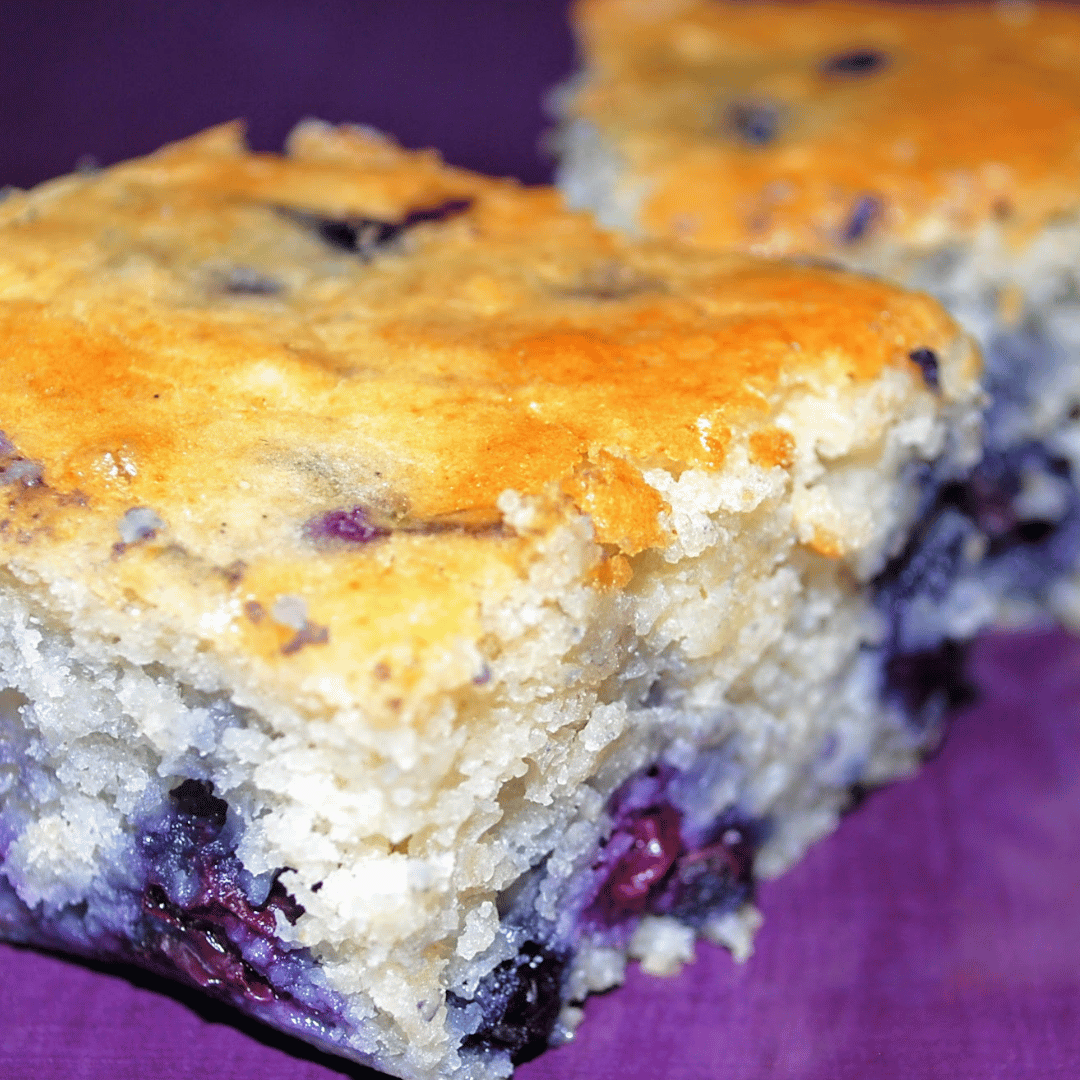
[614,572]
[772,446]
[826,543]
[624,508]
[421,384]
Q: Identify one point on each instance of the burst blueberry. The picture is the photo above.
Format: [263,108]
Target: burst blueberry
[351,526]
[654,846]
[198,919]
[712,879]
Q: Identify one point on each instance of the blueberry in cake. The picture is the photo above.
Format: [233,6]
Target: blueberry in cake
[934,145]
[415,600]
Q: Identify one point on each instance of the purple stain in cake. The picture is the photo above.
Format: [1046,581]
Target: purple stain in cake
[856,63]
[138,524]
[364,236]
[6,445]
[22,471]
[928,364]
[351,526]
[308,634]
[754,121]
[865,213]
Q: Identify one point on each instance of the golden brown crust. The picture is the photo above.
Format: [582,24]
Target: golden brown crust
[964,113]
[509,346]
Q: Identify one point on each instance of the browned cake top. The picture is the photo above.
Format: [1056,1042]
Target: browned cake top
[271,403]
[805,126]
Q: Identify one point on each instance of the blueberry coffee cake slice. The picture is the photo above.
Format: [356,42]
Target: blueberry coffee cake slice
[415,601]
[935,145]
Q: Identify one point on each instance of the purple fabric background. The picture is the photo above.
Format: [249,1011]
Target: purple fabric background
[109,79]
[935,935]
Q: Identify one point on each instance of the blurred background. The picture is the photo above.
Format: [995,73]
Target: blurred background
[103,80]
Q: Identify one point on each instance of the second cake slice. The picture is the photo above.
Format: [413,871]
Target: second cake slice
[935,145]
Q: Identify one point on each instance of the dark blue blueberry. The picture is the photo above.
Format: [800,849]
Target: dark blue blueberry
[361,236]
[754,121]
[857,795]
[715,877]
[1034,532]
[856,62]
[280,898]
[244,281]
[928,364]
[352,526]
[195,798]
[928,683]
[652,863]
[197,914]
[969,530]
[520,1000]
[988,499]
[865,212]
[365,236]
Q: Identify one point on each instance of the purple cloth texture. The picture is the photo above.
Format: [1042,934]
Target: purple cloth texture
[103,80]
[935,934]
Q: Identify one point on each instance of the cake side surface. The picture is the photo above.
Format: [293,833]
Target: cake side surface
[417,600]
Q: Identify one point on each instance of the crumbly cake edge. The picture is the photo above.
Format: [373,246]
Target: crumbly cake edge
[704,509]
